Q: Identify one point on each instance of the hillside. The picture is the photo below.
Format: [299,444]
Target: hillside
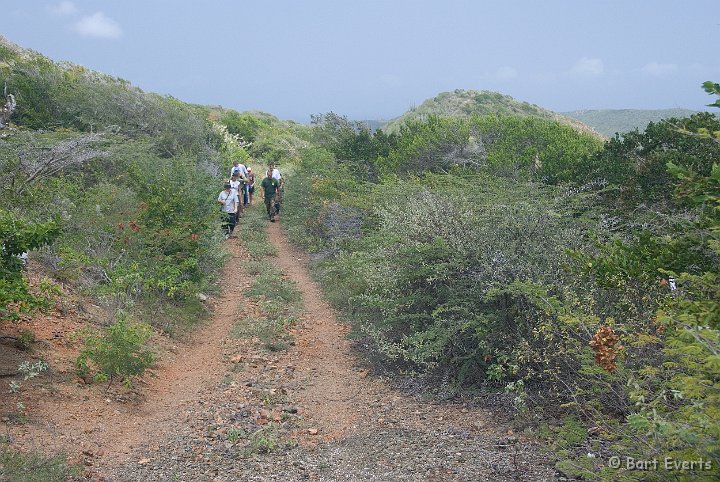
[437,302]
[465,103]
[609,121]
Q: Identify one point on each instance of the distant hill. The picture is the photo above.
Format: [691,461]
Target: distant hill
[464,103]
[609,121]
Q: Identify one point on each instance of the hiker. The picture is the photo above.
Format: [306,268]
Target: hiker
[245,197]
[228,201]
[275,174]
[235,186]
[251,185]
[270,186]
[238,168]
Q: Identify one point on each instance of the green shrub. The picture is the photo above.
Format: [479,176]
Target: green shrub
[518,147]
[265,440]
[18,236]
[118,353]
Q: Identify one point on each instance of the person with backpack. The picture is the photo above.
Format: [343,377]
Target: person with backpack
[275,174]
[229,202]
[270,186]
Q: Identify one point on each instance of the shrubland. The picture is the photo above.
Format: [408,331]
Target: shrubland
[111,190]
[515,256]
[574,279]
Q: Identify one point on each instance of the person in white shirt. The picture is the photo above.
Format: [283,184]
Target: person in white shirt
[235,186]
[238,168]
[275,174]
[229,202]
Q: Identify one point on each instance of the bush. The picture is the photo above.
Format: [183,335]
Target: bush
[18,236]
[509,146]
[459,276]
[119,353]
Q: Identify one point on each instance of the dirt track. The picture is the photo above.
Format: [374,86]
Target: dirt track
[341,425]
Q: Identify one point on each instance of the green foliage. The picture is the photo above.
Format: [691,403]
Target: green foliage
[325,202]
[25,340]
[353,144]
[712,88]
[280,143]
[118,353]
[246,125]
[453,274]
[467,103]
[571,432]
[51,96]
[265,440]
[29,467]
[434,144]
[671,335]
[636,162]
[17,236]
[475,280]
[509,146]
[131,175]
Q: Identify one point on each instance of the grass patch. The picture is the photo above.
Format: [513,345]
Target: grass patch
[272,286]
[30,467]
[253,233]
[272,332]
[260,249]
[278,298]
[254,267]
[175,319]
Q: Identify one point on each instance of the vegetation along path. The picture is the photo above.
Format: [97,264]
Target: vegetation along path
[309,412]
[233,404]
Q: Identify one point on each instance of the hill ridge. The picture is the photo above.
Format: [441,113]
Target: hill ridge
[609,121]
[468,102]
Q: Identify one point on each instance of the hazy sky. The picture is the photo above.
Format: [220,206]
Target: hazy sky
[374,59]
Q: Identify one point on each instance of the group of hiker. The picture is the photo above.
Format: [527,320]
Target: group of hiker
[238,190]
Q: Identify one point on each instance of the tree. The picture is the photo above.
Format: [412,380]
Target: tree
[30,158]
[351,142]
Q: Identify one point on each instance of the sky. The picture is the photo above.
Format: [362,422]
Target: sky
[375,59]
